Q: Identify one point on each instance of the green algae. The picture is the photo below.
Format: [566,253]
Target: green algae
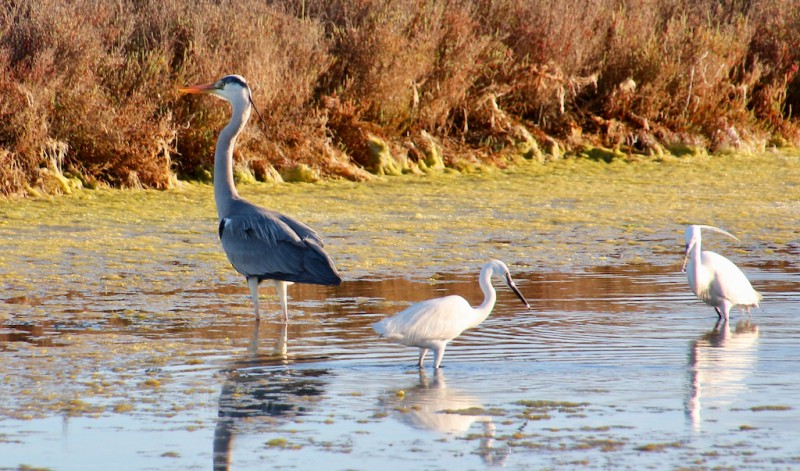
[24,467]
[542,211]
[476,411]
[546,404]
[655,447]
[770,408]
[282,444]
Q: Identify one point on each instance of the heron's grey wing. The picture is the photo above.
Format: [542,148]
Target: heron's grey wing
[258,243]
[303,231]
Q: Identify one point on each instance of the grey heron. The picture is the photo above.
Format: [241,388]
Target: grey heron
[260,244]
[433,323]
[714,279]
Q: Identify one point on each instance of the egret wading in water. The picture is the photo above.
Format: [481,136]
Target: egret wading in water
[260,244]
[430,324]
[714,279]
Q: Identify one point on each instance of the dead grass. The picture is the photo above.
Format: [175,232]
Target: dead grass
[328,74]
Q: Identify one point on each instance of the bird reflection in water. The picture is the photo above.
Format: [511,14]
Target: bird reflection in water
[431,405]
[254,389]
[719,364]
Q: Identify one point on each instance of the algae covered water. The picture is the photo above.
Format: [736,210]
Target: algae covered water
[125,337]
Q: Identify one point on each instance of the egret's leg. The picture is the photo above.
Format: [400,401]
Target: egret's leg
[438,354]
[726,310]
[719,313]
[252,282]
[422,353]
[281,286]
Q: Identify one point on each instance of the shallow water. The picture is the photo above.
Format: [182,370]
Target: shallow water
[126,337]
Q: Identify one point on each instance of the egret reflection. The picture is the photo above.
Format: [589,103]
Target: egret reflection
[254,389]
[431,405]
[719,364]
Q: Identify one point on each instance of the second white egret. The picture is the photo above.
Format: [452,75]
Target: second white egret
[714,279]
[431,324]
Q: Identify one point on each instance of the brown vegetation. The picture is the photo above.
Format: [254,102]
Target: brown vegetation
[89,88]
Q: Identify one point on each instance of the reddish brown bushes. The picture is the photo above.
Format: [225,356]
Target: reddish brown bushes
[100,80]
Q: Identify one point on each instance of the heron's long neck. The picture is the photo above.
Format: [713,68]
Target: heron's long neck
[224,189]
[490,297]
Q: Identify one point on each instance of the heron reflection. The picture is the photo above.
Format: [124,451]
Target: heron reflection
[719,364]
[255,389]
[431,405]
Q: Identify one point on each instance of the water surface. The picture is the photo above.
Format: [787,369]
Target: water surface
[126,337]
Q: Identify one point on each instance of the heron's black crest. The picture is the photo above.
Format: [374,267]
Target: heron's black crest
[233,79]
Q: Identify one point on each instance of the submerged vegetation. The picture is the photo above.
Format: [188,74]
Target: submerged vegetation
[357,88]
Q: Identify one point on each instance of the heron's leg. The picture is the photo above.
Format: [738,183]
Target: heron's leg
[253,348]
[281,346]
[281,286]
[438,354]
[252,282]
[719,313]
[422,353]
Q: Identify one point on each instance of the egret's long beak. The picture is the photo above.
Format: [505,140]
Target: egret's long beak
[689,248]
[205,88]
[513,287]
[721,231]
[685,260]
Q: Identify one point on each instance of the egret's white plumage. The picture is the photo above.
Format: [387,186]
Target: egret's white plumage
[714,279]
[260,244]
[431,324]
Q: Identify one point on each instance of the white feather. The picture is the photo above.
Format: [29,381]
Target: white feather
[431,324]
[714,279]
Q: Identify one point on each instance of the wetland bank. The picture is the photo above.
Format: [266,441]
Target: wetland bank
[126,337]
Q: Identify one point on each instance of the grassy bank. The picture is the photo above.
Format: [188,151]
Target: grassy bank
[353,88]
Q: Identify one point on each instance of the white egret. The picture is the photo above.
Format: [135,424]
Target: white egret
[433,323]
[260,244]
[714,279]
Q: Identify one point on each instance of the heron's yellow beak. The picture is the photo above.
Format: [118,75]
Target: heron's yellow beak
[205,88]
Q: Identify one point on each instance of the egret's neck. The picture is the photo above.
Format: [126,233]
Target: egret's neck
[694,256]
[490,296]
[694,268]
[224,189]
